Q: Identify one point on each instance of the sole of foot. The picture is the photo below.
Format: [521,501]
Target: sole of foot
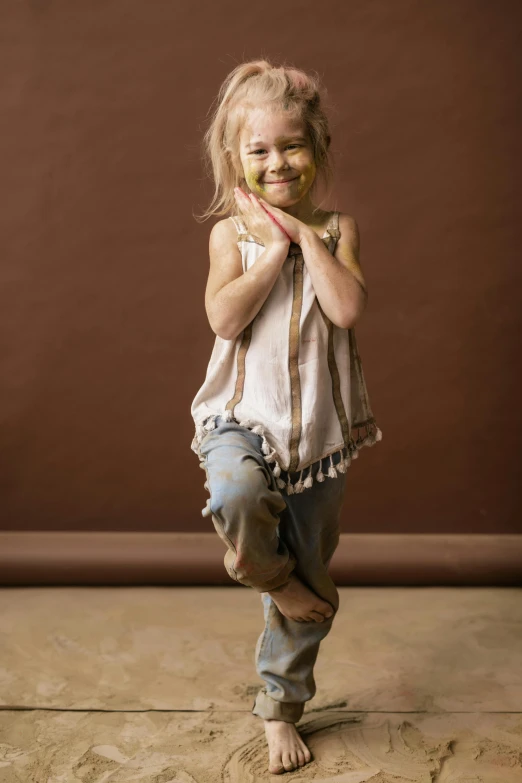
[297,602]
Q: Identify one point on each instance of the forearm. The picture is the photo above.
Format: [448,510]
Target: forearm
[340,294]
[238,303]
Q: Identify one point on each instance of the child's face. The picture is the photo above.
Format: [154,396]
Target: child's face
[274,147]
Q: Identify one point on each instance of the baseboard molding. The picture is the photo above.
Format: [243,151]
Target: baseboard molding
[128,558]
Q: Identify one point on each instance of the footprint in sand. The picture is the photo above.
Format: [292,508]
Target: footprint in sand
[347,749]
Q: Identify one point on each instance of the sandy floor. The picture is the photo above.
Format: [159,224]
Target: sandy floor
[156,685]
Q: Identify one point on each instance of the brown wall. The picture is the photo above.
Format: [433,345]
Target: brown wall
[104,339]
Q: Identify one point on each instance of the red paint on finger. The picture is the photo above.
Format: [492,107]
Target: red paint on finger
[253,195]
[275,221]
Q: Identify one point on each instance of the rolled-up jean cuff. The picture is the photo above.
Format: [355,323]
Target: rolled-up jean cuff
[269,709]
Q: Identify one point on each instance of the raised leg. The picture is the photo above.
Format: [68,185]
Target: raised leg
[245,505]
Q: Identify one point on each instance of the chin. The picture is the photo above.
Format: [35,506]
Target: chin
[282,200]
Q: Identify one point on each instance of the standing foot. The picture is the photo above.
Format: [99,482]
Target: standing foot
[286,749]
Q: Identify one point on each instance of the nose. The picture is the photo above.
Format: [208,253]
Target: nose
[277,162]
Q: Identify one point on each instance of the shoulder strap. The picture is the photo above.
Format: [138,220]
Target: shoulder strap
[333,225]
[242,231]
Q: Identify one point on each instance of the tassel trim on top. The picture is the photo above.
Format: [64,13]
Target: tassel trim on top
[370,434]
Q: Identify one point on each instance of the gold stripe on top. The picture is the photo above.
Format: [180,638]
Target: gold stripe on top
[294,339]
[293,363]
[245,235]
[241,373]
[333,230]
[336,381]
[247,333]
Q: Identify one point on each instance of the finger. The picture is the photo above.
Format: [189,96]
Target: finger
[240,194]
[242,201]
[255,200]
[269,209]
[257,206]
[278,224]
[266,205]
[272,218]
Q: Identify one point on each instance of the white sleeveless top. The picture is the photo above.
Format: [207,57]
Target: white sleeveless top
[291,376]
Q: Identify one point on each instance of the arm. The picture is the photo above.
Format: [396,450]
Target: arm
[233,297]
[338,280]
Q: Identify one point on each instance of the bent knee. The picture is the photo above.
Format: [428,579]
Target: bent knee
[248,492]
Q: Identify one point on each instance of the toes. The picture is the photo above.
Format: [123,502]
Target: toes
[325,608]
[303,753]
[275,766]
[287,762]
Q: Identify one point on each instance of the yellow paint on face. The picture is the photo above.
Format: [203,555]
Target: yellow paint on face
[252,179]
[303,184]
[306,179]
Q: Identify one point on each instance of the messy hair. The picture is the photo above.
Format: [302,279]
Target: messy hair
[250,85]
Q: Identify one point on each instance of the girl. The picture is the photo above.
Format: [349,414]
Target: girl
[284,394]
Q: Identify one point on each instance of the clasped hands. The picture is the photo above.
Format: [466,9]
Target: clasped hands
[284,227]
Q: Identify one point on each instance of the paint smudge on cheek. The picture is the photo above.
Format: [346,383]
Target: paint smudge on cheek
[306,179]
[252,179]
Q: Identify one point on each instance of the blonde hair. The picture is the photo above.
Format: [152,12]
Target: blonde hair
[249,85]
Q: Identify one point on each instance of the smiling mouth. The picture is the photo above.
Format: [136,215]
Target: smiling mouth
[281,181]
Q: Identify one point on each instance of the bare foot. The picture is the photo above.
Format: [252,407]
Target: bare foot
[298,602]
[286,749]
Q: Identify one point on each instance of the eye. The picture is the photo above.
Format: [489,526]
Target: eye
[288,146]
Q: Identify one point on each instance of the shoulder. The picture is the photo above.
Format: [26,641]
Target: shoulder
[348,226]
[224,230]
[349,239]
[348,246]
[223,238]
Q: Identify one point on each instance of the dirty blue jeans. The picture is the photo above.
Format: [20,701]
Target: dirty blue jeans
[268,536]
